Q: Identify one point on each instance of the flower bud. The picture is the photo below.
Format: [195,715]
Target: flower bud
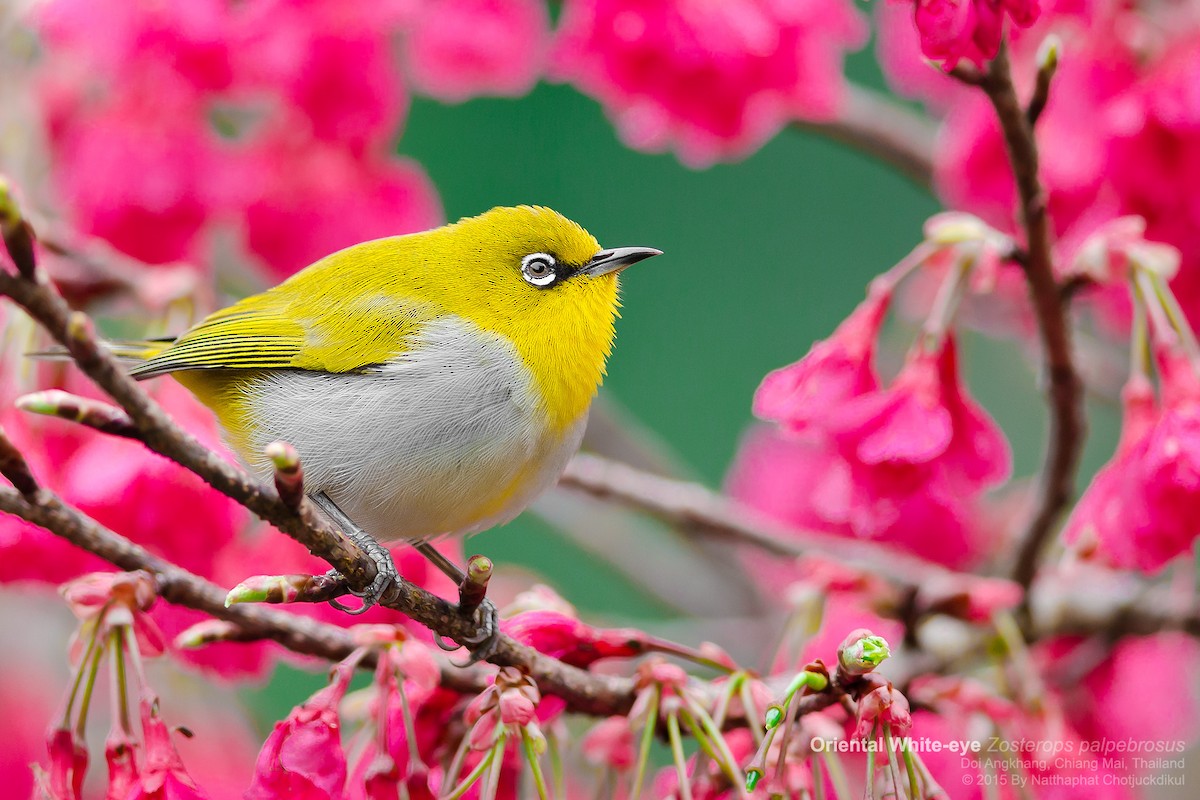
[862,652]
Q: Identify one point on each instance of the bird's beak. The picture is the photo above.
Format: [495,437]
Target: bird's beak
[617,259]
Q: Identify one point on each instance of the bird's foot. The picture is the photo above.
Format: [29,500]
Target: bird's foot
[481,644]
[386,577]
[386,574]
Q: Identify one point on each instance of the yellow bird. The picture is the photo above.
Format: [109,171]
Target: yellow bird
[433,384]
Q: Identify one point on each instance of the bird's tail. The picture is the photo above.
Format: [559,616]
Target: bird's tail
[129,352]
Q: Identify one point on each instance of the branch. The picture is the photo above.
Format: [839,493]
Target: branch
[586,693]
[1056,484]
[881,127]
[692,506]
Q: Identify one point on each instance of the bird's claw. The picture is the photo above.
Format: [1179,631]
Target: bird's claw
[482,643]
[386,576]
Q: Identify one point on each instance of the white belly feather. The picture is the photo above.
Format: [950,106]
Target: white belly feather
[448,438]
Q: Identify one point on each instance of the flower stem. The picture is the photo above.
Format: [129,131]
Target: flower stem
[1176,316]
[77,679]
[837,776]
[121,681]
[1139,344]
[647,737]
[535,767]
[473,776]
[709,727]
[90,684]
[937,324]
[677,755]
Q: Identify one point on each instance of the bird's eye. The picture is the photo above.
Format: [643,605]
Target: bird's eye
[539,269]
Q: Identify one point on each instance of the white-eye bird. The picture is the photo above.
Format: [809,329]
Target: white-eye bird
[433,383]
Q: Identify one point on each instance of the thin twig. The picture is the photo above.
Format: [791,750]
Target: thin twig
[881,127]
[1047,66]
[1065,437]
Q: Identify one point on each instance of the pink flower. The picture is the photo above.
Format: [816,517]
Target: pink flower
[162,775]
[610,744]
[456,49]
[1116,138]
[951,30]
[330,62]
[711,80]
[510,702]
[1138,511]
[141,169]
[109,599]
[898,49]
[68,765]
[1109,703]
[302,757]
[119,38]
[883,706]
[835,370]
[317,199]
[120,756]
[923,440]
[572,641]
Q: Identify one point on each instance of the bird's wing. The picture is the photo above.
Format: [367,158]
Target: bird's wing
[294,329]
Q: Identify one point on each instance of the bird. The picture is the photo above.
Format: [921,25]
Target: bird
[433,384]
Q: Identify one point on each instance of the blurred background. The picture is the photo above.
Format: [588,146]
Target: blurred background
[763,256]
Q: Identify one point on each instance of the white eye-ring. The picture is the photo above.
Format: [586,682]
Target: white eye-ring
[539,269]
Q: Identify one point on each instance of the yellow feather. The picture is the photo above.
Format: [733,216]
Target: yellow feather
[363,306]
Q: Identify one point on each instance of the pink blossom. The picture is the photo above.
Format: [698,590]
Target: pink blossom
[711,80]
[571,640]
[1116,138]
[162,775]
[1109,704]
[1139,510]
[317,199]
[883,706]
[330,63]
[951,30]
[809,484]
[103,601]
[835,370]
[140,170]
[610,744]
[119,38]
[898,49]
[302,757]
[456,49]
[511,701]
[68,765]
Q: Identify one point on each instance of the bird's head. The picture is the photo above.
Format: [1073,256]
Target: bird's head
[543,282]
[527,257]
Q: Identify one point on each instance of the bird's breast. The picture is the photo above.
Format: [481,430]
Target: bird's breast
[449,437]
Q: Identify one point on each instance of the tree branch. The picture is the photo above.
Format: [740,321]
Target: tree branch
[879,126]
[584,692]
[1056,484]
[695,507]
